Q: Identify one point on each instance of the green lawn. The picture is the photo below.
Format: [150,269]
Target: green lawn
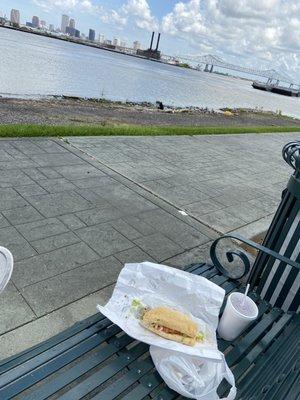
[133,130]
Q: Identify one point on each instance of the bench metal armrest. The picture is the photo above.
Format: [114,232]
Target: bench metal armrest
[243,256]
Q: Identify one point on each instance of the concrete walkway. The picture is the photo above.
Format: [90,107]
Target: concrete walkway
[72,221]
[228,182]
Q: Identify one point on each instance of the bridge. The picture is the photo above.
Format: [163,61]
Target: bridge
[210,61]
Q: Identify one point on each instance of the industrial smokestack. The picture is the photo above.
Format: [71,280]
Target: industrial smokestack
[151,44]
[158,40]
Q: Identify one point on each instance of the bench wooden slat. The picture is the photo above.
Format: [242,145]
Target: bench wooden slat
[45,369]
[193,267]
[265,341]
[124,359]
[25,355]
[134,374]
[34,362]
[78,370]
[166,394]
[262,308]
[293,385]
[276,361]
[146,386]
[260,347]
[249,339]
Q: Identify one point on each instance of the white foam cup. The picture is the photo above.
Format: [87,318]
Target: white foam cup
[239,312]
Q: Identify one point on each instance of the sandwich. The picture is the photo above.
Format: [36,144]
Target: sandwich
[171,324]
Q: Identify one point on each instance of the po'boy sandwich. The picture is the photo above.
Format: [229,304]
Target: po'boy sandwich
[172,325]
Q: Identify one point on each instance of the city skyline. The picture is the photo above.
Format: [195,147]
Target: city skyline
[259,33]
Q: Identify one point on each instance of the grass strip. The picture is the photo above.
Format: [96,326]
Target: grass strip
[133,130]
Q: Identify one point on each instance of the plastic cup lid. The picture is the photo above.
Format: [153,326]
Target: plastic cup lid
[6,267]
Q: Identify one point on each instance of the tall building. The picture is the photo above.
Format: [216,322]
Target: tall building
[136,45]
[15,16]
[64,22]
[73,32]
[43,24]
[123,44]
[72,23]
[92,35]
[116,42]
[101,38]
[35,22]
[51,28]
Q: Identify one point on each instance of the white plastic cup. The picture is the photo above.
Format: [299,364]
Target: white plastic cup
[239,312]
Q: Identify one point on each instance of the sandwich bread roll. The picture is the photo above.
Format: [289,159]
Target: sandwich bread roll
[171,324]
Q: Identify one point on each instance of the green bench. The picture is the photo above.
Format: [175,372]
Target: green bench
[94,359]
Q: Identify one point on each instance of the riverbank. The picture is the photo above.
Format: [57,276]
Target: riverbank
[62,111]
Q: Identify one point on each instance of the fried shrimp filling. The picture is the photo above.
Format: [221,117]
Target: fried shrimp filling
[167,330]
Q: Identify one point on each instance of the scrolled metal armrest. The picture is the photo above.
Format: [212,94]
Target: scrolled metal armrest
[243,256]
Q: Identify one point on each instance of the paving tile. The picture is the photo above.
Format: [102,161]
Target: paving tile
[19,247]
[12,151]
[14,311]
[27,147]
[237,195]
[99,215]
[8,193]
[22,215]
[139,224]
[4,156]
[175,229]
[12,203]
[13,166]
[56,185]
[92,182]
[71,221]
[54,242]
[30,190]
[42,229]
[125,229]
[133,255]
[34,173]
[222,221]
[93,198]
[3,221]
[50,146]
[13,177]
[49,172]
[54,293]
[104,239]
[124,199]
[203,207]
[247,212]
[44,266]
[56,160]
[158,246]
[82,171]
[56,204]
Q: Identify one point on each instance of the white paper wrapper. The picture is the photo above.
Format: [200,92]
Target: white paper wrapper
[158,285]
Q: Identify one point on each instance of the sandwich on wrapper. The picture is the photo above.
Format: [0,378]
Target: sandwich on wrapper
[171,324]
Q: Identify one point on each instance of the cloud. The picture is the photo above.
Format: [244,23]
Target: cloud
[113,17]
[69,5]
[258,33]
[185,17]
[141,13]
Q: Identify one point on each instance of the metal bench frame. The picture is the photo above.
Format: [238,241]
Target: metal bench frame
[94,359]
